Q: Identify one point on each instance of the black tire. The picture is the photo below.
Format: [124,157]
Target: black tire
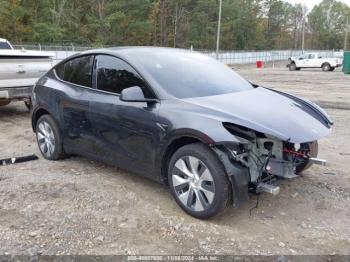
[298,68]
[57,151]
[4,102]
[220,183]
[326,67]
[332,68]
[292,67]
[312,149]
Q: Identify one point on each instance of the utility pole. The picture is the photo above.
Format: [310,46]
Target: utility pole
[175,24]
[346,34]
[218,33]
[303,36]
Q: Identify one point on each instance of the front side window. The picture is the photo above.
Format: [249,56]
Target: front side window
[4,45]
[114,75]
[303,57]
[77,71]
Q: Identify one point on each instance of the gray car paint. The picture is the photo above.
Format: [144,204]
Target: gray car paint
[268,112]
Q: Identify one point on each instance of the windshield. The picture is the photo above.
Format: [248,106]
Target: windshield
[186,74]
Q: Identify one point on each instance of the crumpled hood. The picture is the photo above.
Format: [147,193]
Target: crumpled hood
[270,112]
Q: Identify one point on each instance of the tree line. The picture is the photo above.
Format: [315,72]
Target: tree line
[245,24]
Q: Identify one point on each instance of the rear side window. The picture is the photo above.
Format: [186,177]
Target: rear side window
[77,71]
[114,75]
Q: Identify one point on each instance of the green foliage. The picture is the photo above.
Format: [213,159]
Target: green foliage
[327,24]
[246,24]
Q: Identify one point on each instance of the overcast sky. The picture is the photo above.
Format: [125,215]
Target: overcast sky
[311,3]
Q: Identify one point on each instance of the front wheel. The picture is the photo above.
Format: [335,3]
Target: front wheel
[292,67]
[198,181]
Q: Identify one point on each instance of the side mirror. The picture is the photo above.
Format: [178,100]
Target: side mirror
[134,94]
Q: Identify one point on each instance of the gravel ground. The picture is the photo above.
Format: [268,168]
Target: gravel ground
[77,206]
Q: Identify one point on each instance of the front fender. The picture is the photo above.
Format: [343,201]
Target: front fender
[238,176]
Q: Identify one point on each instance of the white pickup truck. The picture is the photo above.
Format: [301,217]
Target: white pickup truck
[19,70]
[313,60]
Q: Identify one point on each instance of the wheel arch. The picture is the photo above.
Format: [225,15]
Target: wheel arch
[37,114]
[325,63]
[171,147]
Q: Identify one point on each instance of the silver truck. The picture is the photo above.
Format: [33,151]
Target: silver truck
[19,70]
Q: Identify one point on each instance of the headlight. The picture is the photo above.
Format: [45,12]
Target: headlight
[240,131]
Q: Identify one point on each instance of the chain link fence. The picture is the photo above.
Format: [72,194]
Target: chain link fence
[248,57]
[228,57]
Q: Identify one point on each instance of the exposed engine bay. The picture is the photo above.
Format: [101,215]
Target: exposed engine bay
[268,158]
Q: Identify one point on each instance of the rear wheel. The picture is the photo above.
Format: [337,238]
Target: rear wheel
[332,68]
[198,181]
[310,149]
[49,138]
[326,67]
[4,102]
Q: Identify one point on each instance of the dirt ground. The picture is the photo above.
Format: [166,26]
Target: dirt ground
[77,206]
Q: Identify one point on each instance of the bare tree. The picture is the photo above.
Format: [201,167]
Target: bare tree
[57,9]
[179,13]
[163,22]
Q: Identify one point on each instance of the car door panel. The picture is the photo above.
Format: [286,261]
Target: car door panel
[125,132]
[75,77]
[75,108]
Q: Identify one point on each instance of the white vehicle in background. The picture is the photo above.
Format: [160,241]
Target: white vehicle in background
[19,70]
[313,60]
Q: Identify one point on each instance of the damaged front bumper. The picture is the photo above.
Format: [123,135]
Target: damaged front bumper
[256,164]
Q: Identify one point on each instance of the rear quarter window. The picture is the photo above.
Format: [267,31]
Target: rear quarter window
[77,71]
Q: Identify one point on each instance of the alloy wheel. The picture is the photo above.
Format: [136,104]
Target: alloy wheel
[193,183]
[46,138]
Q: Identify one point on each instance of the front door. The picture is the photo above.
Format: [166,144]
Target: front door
[310,61]
[125,132]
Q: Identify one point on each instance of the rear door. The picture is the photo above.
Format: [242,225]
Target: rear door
[125,132]
[311,60]
[319,60]
[74,93]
